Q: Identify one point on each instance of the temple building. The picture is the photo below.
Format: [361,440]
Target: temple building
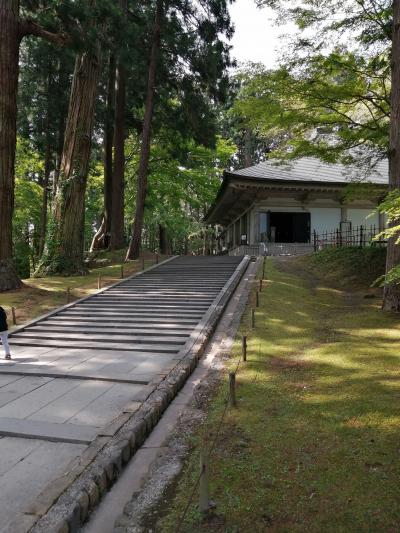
[295,203]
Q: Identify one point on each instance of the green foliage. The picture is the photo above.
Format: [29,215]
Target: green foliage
[326,110]
[330,97]
[183,180]
[27,206]
[51,257]
[94,201]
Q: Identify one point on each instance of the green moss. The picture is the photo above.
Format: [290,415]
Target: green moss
[313,444]
[347,267]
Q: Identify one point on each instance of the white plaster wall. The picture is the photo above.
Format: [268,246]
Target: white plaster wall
[360,217]
[324,218]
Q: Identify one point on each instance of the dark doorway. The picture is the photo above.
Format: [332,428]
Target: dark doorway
[290,227]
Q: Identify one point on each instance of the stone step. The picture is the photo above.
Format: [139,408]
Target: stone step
[145,323]
[100,336]
[112,330]
[35,429]
[136,317]
[148,303]
[137,312]
[25,370]
[147,342]
[140,297]
[154,349]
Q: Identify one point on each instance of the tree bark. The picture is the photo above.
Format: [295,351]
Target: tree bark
[163,239]
[66,246]
[45,196]
[9,53]
[98,239]
[391,294]
[248,155]
[117,206]
[102,238]
[141,189]
[47,169]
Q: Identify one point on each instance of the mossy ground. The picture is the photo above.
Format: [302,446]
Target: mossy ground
[40,295]
[314,442]
[347,267]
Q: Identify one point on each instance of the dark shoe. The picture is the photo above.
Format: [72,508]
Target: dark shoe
[8,356]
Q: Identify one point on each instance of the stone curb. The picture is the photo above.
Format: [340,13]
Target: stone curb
[53,513]
[125,521]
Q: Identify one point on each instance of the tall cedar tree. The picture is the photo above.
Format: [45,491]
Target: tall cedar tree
[101,239]
[117,239]
[141,191]
[64,254]
[12,30]
[111,231]
[43,93]
[391,300]
[187,64]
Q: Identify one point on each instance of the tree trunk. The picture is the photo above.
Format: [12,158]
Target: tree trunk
[62,80]
[117,208]
[66,246]
[12,30]
[163,239]
[47,168]
[141,190]
[98,239]
[45,196]
[102,238]
[248,155]
[391,295]
[9,52]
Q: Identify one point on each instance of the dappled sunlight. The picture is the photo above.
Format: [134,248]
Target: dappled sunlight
[392,333]
[326,365]
[328,291]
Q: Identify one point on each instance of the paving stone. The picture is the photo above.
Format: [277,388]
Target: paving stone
[23,482]
[15,427]
[98,359]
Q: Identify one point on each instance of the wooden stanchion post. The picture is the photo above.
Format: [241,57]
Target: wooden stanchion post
[142,263]
[264,268]
[14,316]
[156,259]
[99,282]
[261,284]
[122,271]
[257,300]
[244,347]
[232,389]
[253,319]
[204,499]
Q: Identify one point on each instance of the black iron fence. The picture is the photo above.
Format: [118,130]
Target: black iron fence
[359,236]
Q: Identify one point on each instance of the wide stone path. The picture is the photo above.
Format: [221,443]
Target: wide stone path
[75,371]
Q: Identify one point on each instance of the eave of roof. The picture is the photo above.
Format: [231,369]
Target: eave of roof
[309,169]
[282,178]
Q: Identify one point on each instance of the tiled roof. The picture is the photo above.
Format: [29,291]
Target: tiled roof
[312,170]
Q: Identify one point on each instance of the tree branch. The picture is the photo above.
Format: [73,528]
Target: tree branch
[30,27]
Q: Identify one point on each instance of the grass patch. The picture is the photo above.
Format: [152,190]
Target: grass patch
[346,267]
[313,444]
[40,295]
